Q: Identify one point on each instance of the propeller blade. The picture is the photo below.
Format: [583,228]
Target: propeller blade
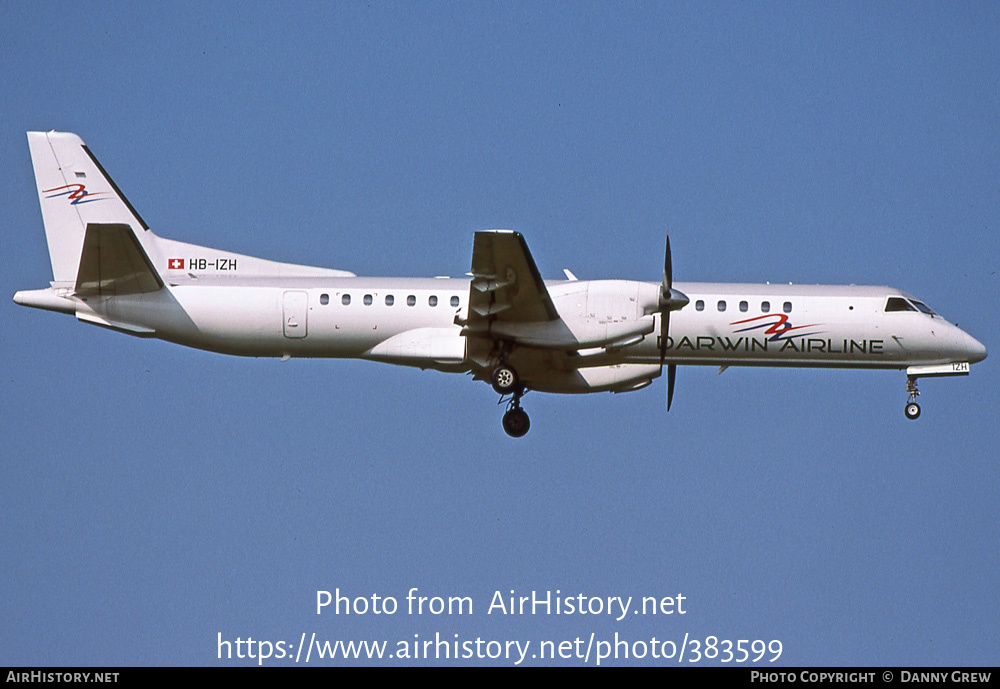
[671,376]
[668,272]
[670,300]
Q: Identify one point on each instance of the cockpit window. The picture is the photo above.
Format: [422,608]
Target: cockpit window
[924,307]
[898,304]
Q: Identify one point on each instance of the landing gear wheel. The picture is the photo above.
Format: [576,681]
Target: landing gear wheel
[912,410]
[516,422]
[505,380]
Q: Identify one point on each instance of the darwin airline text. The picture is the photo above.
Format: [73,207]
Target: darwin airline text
[707,343]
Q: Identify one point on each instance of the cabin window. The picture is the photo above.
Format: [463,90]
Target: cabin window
[411,300]
[765,306]
[346,300]
[722,305]
[389,300]
[787,307]
[368,300]
[454,301]
[432,300]
[699,305]
[744,306]
[898,304]
[324,299]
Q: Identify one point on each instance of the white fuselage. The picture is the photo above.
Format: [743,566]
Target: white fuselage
[723,325]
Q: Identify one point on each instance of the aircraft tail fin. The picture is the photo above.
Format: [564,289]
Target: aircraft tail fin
[94,234]
[100,245]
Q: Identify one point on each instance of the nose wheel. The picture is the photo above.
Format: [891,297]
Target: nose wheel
[912,409]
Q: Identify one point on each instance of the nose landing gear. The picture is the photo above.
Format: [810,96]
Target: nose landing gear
[912,409]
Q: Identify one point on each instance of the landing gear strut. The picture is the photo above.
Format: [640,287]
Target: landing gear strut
[912,408]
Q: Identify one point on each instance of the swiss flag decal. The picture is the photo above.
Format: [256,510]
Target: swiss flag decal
[175,264]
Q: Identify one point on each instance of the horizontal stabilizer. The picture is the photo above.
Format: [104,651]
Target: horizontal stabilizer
[113,263]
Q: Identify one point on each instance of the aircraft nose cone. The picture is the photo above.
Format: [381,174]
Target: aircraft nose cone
[975,348]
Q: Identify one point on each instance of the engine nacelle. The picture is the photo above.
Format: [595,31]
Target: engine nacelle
[598,313]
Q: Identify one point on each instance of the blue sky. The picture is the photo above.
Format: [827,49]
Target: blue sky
[155,497]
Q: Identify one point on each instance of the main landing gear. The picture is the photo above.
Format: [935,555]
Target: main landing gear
[515,421]
[506,382]
[912,408]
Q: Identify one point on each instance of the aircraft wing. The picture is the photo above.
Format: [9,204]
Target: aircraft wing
[506,285]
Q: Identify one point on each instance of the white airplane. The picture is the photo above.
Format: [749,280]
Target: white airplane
[503,324]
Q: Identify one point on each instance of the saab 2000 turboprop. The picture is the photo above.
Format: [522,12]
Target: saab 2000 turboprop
[503,324]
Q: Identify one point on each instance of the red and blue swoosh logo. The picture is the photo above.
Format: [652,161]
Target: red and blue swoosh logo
[777,327]
[77,193]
